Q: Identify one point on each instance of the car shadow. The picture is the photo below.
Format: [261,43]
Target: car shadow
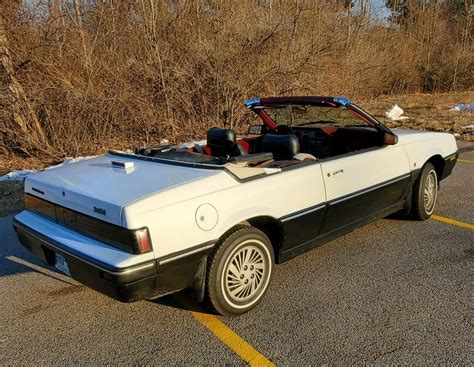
[15,259]
[183,300]
[401,217]
[12,265]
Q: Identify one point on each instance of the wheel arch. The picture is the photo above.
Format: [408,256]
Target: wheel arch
[438,162]
[272,227]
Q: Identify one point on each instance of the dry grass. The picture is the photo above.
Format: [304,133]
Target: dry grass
[102,74]
[426,112]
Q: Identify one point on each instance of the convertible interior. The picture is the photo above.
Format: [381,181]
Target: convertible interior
[272,150]
[310,138]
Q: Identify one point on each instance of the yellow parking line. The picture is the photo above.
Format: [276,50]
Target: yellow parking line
[453,222]
[465,161]
[243,349]
[238,345]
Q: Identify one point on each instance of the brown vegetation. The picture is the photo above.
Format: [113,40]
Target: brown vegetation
[85,76]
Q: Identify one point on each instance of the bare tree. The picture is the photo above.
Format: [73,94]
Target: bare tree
[19,124]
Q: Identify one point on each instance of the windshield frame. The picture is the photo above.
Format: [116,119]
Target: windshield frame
[315,116]
[257,105]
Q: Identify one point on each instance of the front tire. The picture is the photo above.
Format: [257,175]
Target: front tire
[239,271]
[425,193]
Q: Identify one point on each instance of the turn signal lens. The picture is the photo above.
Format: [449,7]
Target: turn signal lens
[143,240]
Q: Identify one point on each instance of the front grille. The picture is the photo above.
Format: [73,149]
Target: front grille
[116,236]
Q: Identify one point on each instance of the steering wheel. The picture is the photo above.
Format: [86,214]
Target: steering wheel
[283,130]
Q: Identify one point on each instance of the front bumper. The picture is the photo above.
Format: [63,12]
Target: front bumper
[449,163]
[125,284]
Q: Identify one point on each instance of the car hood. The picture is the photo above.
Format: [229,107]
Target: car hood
[406,136]
[97,188]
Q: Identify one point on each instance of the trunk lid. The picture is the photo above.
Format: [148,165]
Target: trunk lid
[99,189]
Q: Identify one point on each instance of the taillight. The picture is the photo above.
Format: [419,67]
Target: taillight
[143,240]
[133,241]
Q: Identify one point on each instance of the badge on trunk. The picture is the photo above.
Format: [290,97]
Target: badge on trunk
[99,211]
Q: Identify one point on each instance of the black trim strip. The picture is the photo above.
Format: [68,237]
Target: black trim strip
[168,161]
[368,189]
[80,256]
[222,167]
[302,212]
[303,226]
[449,163]
[183,253]
[97,229]
[300,248]
[342,198]
[450,156]
[38,191]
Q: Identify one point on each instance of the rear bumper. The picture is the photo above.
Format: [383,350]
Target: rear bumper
[150,278]
[126,285]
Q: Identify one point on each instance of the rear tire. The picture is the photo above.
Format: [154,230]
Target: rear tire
[425,193]
[239,271]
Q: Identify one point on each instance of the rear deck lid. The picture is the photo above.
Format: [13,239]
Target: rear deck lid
[99,188]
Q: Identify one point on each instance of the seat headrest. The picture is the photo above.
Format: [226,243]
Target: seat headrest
[283,147]
[221,138]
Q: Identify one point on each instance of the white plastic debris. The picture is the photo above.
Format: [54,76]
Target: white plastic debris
[70,160]
[16,175]
[463,107]
[191,144]
[395,113]
[22,174]
[467,130]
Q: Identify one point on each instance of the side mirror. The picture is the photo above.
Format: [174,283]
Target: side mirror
[256,129]
[390,139]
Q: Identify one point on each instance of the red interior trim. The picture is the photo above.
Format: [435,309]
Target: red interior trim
[244,144]
[328,130]
[266,119]
[207,150]
[361,117]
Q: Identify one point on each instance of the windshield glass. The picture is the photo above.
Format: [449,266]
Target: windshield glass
[307,115]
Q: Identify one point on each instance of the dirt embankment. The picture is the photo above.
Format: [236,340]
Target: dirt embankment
[427,112]
[11,197]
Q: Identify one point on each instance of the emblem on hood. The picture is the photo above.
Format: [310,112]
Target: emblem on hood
[99,211]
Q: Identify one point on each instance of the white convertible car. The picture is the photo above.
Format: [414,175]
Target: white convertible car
[218,216]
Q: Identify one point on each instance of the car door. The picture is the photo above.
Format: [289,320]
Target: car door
[362,186]
[307,199]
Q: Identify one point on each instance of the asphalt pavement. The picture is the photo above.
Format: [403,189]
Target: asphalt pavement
[392,292]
